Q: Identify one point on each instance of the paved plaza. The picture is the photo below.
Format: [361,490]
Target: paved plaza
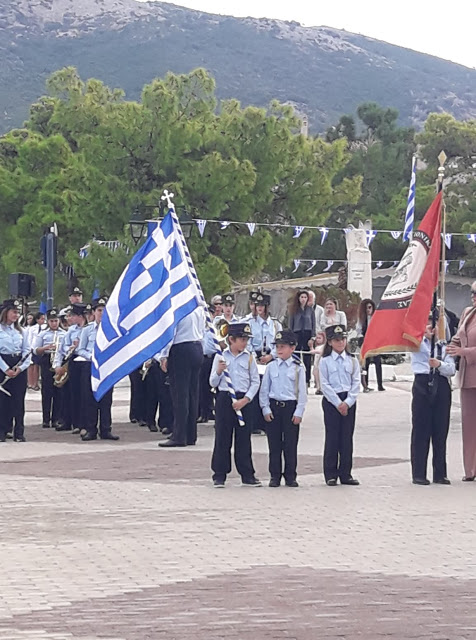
[126,541]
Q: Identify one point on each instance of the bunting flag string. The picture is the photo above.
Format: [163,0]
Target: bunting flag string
[113,245]
[461,264]
[329,265]
[324,231]
[313,264]
[378,263]
[369,236]
[296,265]
[447,238]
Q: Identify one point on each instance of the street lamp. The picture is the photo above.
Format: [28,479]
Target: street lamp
[138,227]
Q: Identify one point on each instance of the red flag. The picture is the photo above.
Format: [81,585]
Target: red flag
[399,322]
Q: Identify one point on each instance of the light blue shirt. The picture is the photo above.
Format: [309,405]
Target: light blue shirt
[420,360]
[339,373]
[12,342]
[279,383]
[263,333]
[46,337]
[222,317]
[208,343]
[243,372]
[73,333]
[87,341]
[189,329]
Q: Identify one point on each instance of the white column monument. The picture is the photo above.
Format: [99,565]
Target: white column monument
[359,260]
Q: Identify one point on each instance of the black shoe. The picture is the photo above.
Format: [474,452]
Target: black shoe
[133,420]
[20,439]
[88,437]
[422,481]
[171,443]
[219,484]
[153,428]
[258,432]
[251,482]
[292,483]
[9,435]
[468,478]
[63,428]
[109,436]
[166,431]
[201,420]
[381,389]
[191,444]
[442,481]
[367,389]
[274,482]
[46,425]
[142,423]
[332,482]
[76,430]
[353,482]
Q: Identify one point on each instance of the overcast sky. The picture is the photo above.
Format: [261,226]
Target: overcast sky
[442,28]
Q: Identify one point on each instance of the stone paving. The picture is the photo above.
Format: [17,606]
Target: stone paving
[125,541]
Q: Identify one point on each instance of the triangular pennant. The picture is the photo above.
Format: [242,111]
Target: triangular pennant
[395,263]
[313,264]
[298,231]
[447,238]
[296,265]
[83,252]
[329,265]
[379,264]
[447,264]
[461,264]
[251,227]
[224,224]
[396,234]
[472,237]
[201,224]
[369,236]
[324,233]
[347,230]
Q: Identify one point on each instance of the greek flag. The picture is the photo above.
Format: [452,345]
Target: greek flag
[410,212]
[150,298]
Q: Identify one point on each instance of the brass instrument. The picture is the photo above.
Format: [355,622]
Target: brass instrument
[54,351]
[60,379]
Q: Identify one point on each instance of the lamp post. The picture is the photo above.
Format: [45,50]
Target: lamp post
[139,224]
[49,244]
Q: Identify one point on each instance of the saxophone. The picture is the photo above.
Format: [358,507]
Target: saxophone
[60,379]
[54,351]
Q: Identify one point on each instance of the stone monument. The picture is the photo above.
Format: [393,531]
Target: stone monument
[359,259]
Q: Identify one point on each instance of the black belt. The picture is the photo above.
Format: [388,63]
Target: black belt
[282,403]
[239,394]
[11,355]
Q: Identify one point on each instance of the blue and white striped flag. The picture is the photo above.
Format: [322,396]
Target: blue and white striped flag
[410,212]
[152,295]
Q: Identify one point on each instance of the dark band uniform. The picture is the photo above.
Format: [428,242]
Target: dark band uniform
[13,347]
[51,396]
[73,407]
[94,411]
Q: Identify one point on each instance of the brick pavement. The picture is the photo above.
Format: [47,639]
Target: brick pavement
[124,541]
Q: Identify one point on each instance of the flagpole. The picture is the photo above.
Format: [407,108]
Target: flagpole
[168,197]
[441,174]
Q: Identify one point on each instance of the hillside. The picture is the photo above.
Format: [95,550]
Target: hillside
[323,71]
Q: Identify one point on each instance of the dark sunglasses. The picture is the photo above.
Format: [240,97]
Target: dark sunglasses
[473,292]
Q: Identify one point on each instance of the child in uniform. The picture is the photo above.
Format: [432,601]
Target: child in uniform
[340,384]
[431,405]
[242,368]
[283,397]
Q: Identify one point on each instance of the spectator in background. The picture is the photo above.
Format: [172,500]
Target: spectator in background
[366,312]
[318,310]
[33,333]
[331,315]
[302,322]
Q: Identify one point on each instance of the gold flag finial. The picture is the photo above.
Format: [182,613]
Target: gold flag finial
[441,169]
[442,158]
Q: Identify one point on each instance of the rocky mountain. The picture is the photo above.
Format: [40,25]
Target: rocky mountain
[324,72]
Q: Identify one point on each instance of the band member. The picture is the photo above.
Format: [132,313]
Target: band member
[157,397]
[137,403]
[283,397]
[94,411]
[339,373]
[228,310]
[76,296]
[243,372]
[182,360]
[67,362]
[14,361]
[252,305]
[47,345]
[431,406]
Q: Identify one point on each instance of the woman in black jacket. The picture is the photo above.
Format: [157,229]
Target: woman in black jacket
[302,320]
